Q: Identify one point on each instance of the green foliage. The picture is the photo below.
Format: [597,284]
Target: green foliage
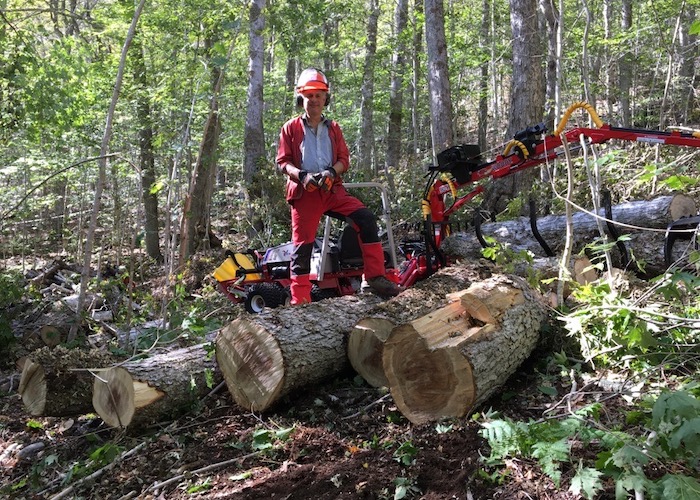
[405,488]
[406,453]
[267,439]
[503,255]
[674,437]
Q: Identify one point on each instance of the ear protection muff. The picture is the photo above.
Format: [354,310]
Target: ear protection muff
[299,99]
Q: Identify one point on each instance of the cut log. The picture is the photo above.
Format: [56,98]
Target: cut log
[654,214]
[57,382]
[367,337]
[447,362]
[160,387]
[264,357]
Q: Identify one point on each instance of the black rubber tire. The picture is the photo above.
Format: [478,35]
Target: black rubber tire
[318,293]
[263,295]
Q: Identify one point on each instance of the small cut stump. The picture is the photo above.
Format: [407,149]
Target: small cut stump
[449,361]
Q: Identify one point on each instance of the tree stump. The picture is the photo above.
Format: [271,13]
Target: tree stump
[445,363]
[57,382]
[160,387]
[367,337]
[264,357]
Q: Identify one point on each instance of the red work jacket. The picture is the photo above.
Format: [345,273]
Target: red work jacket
[289,151]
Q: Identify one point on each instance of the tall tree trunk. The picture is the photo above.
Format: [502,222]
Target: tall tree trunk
[394,135]
[416,68]
[552,20]
[527,96]
[438,77]
[365,144]
[610,94]
[254,139]
[146,156]
[484,76]
[688,79]
[194,224]
[625,65]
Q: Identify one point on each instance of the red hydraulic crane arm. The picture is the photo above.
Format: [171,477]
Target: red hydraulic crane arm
[528,148]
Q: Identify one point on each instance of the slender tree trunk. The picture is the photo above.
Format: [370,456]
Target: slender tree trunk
[688,79]
[438,77]
[254,139]
[607,34]
[625,66]
[365,144]
[146,156]
[417,50]
[484,77]
[394,136]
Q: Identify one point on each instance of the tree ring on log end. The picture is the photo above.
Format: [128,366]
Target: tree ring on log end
[33,387]
[424,382]
[252,364]
[366,347]
[113,396]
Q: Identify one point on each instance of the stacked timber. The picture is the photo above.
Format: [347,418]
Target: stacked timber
[441,347]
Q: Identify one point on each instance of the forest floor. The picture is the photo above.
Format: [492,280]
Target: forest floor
[342,439]
[339,440]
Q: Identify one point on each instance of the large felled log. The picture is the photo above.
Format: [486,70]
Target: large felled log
[367,337]
[58,382]
[656,214]
[263,357]
[149,390]
[447,362]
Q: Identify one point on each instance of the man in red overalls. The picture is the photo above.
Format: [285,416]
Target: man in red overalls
[312,153]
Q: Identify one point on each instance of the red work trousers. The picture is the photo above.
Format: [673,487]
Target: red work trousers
[306,215]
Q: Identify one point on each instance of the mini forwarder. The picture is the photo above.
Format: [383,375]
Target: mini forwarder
[262,280]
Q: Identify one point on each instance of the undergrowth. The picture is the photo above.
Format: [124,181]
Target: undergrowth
[648,444]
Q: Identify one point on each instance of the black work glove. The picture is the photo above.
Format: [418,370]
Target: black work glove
[327,178]
[307,180]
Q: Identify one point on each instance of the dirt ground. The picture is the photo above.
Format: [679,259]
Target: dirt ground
[340,440]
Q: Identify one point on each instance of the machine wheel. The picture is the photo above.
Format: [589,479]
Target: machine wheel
[263,295]
[318,293]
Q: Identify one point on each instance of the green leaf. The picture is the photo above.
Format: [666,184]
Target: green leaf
[548,390]
[629,456]
[586,482]
[689,434]
[672,405]
[34,424]
[680,487]
[628,483]
[549,455]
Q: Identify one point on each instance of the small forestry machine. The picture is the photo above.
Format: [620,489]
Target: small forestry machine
[460,167]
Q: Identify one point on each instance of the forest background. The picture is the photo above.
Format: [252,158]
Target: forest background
[144,133]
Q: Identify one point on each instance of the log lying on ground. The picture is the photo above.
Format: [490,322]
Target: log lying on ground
[447,362]
[264,357]
[153,389]
[58,382]
[656,213]
[367,337]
